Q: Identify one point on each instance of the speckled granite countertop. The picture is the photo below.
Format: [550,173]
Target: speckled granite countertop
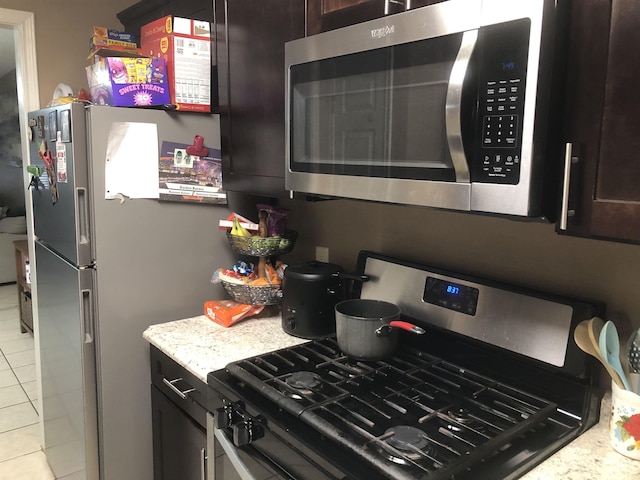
[588,457]
[200,345]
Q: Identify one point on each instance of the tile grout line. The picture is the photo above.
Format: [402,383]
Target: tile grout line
[40,450]
[11,367]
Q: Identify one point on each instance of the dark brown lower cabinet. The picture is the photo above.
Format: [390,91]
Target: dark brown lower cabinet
[602,123]
[179,415]
[179,442]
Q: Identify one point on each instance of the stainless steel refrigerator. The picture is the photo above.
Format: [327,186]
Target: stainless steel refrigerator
[105,270]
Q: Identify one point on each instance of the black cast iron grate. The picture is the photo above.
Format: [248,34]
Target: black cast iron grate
[459,416]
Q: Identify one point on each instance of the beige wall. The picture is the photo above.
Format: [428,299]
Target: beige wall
[63,29]
[530,254]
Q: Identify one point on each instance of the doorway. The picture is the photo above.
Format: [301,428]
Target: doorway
[21,26]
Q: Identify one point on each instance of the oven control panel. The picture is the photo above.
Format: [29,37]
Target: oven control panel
[451,295]
[530,323]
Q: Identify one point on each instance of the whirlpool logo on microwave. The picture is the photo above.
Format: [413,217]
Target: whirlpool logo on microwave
[382,32]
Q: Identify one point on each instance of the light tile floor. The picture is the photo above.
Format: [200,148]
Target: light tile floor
[21,457]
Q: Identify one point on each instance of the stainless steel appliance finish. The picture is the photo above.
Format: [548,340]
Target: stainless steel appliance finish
[449,404]
[106,270]
[443,106]
[544,326]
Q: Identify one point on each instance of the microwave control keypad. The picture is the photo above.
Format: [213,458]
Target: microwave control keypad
[500,124]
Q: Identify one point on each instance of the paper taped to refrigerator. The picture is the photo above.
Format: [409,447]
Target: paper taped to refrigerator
[131,167]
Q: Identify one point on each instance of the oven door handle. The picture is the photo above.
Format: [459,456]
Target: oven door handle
[214,433]
[454,105]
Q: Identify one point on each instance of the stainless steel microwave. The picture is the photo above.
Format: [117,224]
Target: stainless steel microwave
[445,106]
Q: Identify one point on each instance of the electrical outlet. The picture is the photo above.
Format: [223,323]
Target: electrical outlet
[322,254]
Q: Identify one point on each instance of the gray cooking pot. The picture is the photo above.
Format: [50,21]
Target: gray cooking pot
[368,329]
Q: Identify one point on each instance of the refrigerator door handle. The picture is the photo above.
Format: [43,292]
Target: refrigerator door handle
[87,318]
[83,215]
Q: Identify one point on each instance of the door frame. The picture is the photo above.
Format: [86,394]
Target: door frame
[28,92]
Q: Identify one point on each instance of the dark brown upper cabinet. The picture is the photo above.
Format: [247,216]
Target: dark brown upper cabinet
[324,15]
[250,38]
[602,122]
[147,11]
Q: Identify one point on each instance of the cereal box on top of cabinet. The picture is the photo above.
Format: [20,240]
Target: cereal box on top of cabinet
[185,45]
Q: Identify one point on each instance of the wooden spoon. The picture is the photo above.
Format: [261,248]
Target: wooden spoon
[586,336]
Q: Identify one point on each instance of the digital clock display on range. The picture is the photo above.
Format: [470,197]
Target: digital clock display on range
[451,295]
[453,289]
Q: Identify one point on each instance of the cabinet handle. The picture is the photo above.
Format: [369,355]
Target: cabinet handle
[387,5]
[569,159]
[203,464]
[181,393]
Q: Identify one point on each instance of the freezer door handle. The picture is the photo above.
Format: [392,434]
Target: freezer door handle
[83,215]
[87,317]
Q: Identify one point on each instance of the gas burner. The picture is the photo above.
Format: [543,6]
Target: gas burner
[460,415]
[404,443]
[304,384]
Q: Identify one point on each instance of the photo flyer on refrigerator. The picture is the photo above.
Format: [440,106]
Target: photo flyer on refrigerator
[190,178]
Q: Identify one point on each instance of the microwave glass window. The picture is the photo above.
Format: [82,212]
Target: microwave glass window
[378,113]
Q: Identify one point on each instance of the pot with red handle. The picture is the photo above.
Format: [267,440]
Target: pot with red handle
[368,329]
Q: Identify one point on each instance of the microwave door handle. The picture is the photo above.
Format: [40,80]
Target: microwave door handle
[453,106]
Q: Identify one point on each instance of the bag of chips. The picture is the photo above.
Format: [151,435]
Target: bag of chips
[228,312]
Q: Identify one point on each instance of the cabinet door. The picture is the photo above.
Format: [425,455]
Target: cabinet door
[146,11]
[602,123]
[324,15]
[250,38]
[179,443]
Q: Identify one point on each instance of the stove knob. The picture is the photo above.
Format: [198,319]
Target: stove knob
[223,417]
[246,432]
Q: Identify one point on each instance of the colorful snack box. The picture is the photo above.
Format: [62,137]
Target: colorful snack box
[128,82]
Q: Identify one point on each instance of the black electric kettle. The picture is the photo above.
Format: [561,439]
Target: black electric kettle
[309,295]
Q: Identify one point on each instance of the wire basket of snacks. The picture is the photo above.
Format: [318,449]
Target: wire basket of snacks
[253,294]
[243,284]
[257,246]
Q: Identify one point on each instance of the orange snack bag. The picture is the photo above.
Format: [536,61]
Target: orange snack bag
[228,312]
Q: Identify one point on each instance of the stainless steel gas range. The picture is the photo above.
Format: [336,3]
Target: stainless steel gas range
[495,386]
